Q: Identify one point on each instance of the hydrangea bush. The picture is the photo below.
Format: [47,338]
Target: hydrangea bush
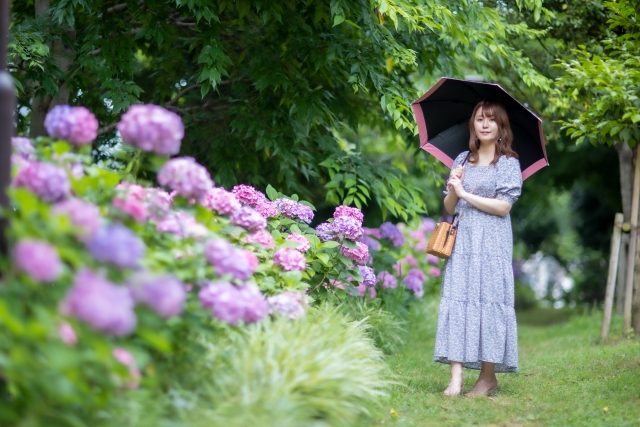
[113,284]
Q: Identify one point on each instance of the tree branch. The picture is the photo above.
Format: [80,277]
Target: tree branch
[182,93]
[106,129]
[117,8]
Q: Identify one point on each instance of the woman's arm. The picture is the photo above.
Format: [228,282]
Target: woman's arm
[491,206]
[450,202]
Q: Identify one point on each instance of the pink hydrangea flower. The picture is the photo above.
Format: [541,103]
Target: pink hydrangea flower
[23,147]
[231,304]
[251,259]
[67,334]
[152,128]
[104,306]
[291,305]
[249,219]
[165,294]
[354,213]
[247,194]
[267,209]
[417,235]
[359,255]
[158,202]
[76,125]
[131,200]
[427,225]
[84,215]
[221,201]
[303,243]
[421,246]
[71,163]
[435,272]
[38,259]
[127,359]
[289,259]
[261,237]
[336,283]
[349,227]
[183,225]
[184,175]
[48,181]
[375,232]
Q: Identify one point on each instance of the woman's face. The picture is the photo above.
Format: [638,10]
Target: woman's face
[486,127]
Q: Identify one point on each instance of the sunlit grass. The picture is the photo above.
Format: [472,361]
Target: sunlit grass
[567,378]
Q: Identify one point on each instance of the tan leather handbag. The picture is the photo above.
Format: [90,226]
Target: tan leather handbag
[444,236]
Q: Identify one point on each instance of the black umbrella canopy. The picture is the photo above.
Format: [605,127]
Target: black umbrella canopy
[443,115]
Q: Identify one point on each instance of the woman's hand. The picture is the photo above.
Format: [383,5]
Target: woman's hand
[455,183]
[455,173]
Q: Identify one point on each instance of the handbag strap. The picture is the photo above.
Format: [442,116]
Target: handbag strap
[456,217]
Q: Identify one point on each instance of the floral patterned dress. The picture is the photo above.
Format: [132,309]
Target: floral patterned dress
[476,318]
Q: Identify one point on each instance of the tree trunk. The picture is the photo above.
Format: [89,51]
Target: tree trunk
[622,271]
[625,157]
[40,106]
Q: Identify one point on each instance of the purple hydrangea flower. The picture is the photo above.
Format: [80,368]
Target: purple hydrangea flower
[48,181]
[289,259]
[249,219]
[325,231]
[70,162]
[221,201]
[349,227]
[164,294]
[434,271]
[23,147]
[183,225]
[231,304]
[261,237]
[131,200]
[38,259]
[368,276]
[152,128]
[304,213]
[291,305]
[362,290]
[127,359]
[104,306]
[427,225]
[158,202]
[304,244]
[287,207]
[118,245]
[228,259]
[372,243]
[359,255]
[76,125]
[247,194]
[393,233]
[415,281]
[184,175]
[387,279]
[267,209]
[255,304]
[84,215]
[432,259]
[354,213]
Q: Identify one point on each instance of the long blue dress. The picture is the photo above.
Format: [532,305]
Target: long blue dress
[476,318]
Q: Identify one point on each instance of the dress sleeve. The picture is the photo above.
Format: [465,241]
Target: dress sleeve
[509,182]
[456,163]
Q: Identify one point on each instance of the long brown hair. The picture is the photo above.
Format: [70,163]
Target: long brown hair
[505,136]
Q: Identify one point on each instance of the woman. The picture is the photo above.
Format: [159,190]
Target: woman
[476,320]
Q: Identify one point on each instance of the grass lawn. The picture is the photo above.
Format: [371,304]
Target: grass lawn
[567,378]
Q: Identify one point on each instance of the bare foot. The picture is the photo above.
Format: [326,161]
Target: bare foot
[483,387]
[454,388]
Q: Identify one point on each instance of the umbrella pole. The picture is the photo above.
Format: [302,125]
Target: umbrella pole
[6,118]
[633,243]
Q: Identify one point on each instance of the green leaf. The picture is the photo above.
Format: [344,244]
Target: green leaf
[271,192]
[337,20]
[330,244]
[324,258]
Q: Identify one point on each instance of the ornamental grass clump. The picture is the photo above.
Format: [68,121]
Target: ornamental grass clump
[322,369]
